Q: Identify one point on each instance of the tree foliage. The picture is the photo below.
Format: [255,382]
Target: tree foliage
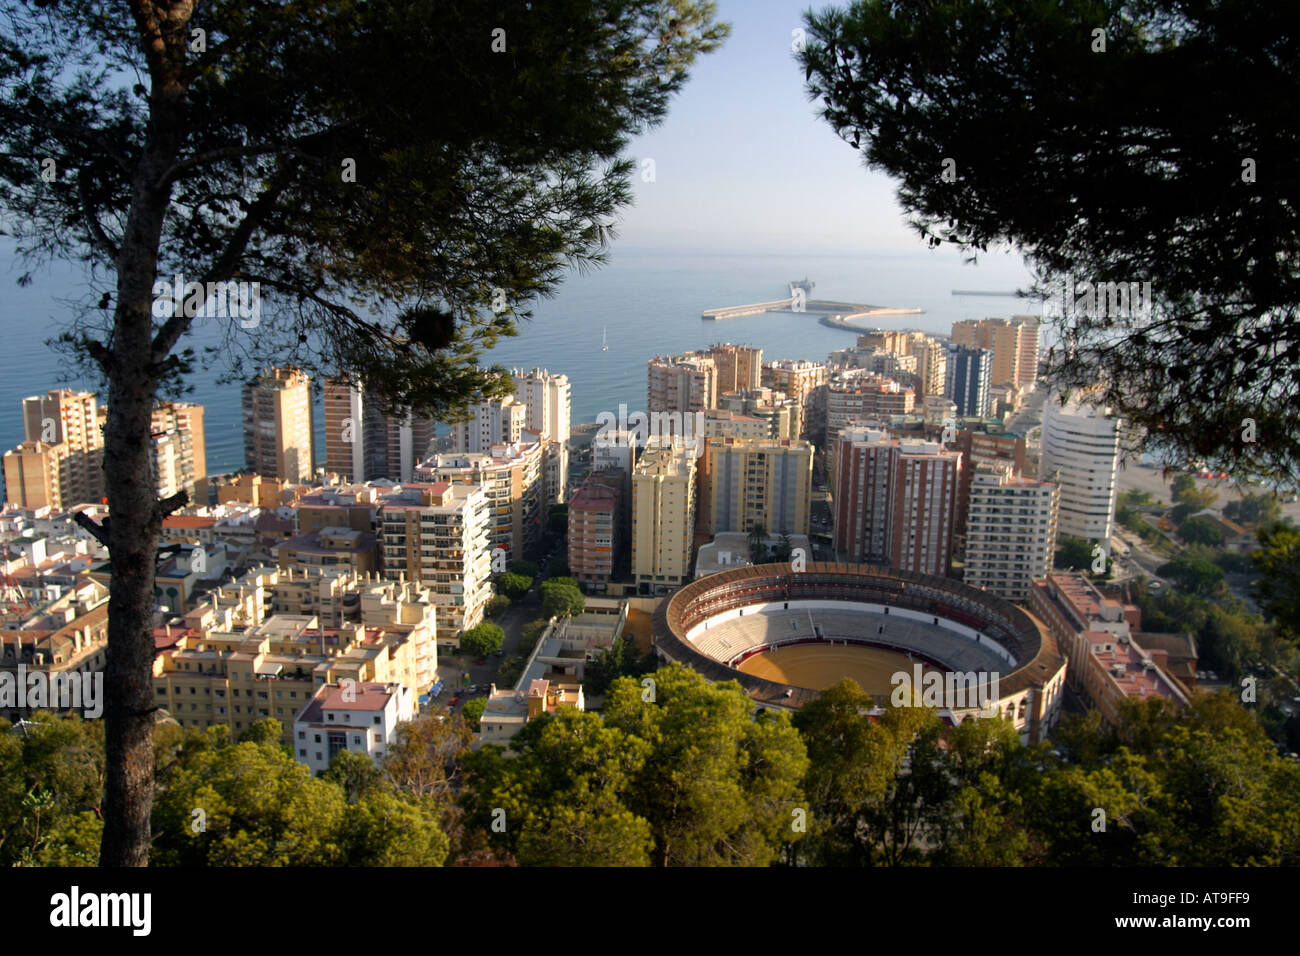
[513,585]
[719,787]
[482,639]
[51,775]
[1073,553]
[1201,530]
[561,596]
[1278,588]
[1196,575]
[1254,509]
[1012,126]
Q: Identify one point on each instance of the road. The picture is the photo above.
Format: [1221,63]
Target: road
[452,669]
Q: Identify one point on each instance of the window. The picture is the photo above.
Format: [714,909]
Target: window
[377,719]
[302,735]
[303,753]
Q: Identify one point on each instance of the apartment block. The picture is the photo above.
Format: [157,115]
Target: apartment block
[278,425]
[596,529]
[799,381]
[439,535]
[1010,531]
[499,421]
[60,461]
[1014,343]
[746,482]
[344,506]
[723,423]
[1109,657]
[513,477]
[681,383]
[273,669]
[863,397]
[61,652]
[357,551]
[663,517]
[1080,451]
[895,501]
[739,367]
[781,415]
[365,439]
[361,718]
[969,371]
[547,401]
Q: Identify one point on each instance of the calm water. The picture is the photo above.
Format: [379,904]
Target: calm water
[649,301]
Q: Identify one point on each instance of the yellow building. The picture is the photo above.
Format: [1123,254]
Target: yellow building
[748,482]
[663,517]
[278,425]
[235,678]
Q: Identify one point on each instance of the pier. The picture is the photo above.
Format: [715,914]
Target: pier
[844,312]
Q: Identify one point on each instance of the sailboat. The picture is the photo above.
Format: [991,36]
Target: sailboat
[604,346]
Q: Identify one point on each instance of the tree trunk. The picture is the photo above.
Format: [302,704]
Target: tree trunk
[133,536]
[135,517]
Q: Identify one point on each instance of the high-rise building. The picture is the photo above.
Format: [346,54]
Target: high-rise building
[278,425]
[512,476]
[895,501]
[739,367]
[180,456]
[365,440]
[681,383]
[930,354]
[780,414]
[1080,451]
[744,483]
[1013,342]
[596,531]
[438,535]
[800,381]
[546,400]
[968,380]
[723,423]
[499,421]
[1010,531]
[60,462]
[663,517]
[863,397]
[36,474]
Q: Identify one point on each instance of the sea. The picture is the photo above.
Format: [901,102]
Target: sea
[643,302]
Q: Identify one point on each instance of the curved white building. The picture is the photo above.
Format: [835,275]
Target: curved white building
[1080,452]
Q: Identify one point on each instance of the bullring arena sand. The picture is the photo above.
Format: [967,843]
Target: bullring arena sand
[818,666]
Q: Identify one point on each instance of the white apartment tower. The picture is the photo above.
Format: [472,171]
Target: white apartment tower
[546,399]
[494,422]
[1081,452]
[437,534]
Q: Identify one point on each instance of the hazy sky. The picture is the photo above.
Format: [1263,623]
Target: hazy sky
[743,161]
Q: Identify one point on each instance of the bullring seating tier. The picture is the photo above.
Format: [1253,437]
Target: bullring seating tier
[731,639]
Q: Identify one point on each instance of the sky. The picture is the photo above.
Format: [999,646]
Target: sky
[744,163]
